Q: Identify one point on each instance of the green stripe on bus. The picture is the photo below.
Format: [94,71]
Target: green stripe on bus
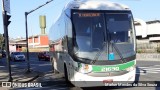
[124,66]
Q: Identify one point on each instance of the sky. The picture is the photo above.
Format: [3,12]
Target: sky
[144,9]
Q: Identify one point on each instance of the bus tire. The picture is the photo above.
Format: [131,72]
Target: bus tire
[66,77]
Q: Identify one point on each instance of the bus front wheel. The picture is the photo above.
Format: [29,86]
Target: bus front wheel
[66,77]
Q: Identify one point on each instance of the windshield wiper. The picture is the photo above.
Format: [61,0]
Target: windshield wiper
[119,53]
[98,53]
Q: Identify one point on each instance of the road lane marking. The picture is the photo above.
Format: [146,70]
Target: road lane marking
[149,69]
[156,65]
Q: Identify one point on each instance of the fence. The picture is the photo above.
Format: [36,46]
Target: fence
[148,47]
[148,56]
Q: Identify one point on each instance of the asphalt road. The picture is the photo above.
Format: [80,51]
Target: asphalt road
[146,71]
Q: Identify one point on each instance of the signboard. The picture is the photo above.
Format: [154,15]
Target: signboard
[89,14]
[6,6]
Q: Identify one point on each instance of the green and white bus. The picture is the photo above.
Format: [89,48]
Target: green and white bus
[93,42]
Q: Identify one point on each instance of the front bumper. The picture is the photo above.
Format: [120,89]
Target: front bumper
[19,59]
[83,80]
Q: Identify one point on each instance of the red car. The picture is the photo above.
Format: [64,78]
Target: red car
[44,56]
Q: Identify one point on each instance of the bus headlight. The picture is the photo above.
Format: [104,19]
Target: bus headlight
[85,68]
[130,68]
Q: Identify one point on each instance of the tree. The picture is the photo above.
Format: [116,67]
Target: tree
[2,41]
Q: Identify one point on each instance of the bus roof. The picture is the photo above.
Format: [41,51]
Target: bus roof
[93,5]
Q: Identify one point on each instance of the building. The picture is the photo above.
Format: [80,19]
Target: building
[38,42]
[35,44]
[148,36]
[18,45]
[147,31]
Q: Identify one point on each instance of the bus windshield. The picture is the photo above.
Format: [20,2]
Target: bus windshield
[96,32]
[89,31]
[118,26]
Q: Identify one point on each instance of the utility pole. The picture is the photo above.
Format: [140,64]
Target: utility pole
[6,22]
[28,62]
[27,13]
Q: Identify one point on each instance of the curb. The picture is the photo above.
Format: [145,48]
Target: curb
[37,74]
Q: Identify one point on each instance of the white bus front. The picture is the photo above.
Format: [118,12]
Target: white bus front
[103,45]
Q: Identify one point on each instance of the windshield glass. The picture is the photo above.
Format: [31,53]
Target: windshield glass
[118,26]
[97,34]
[89,31]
